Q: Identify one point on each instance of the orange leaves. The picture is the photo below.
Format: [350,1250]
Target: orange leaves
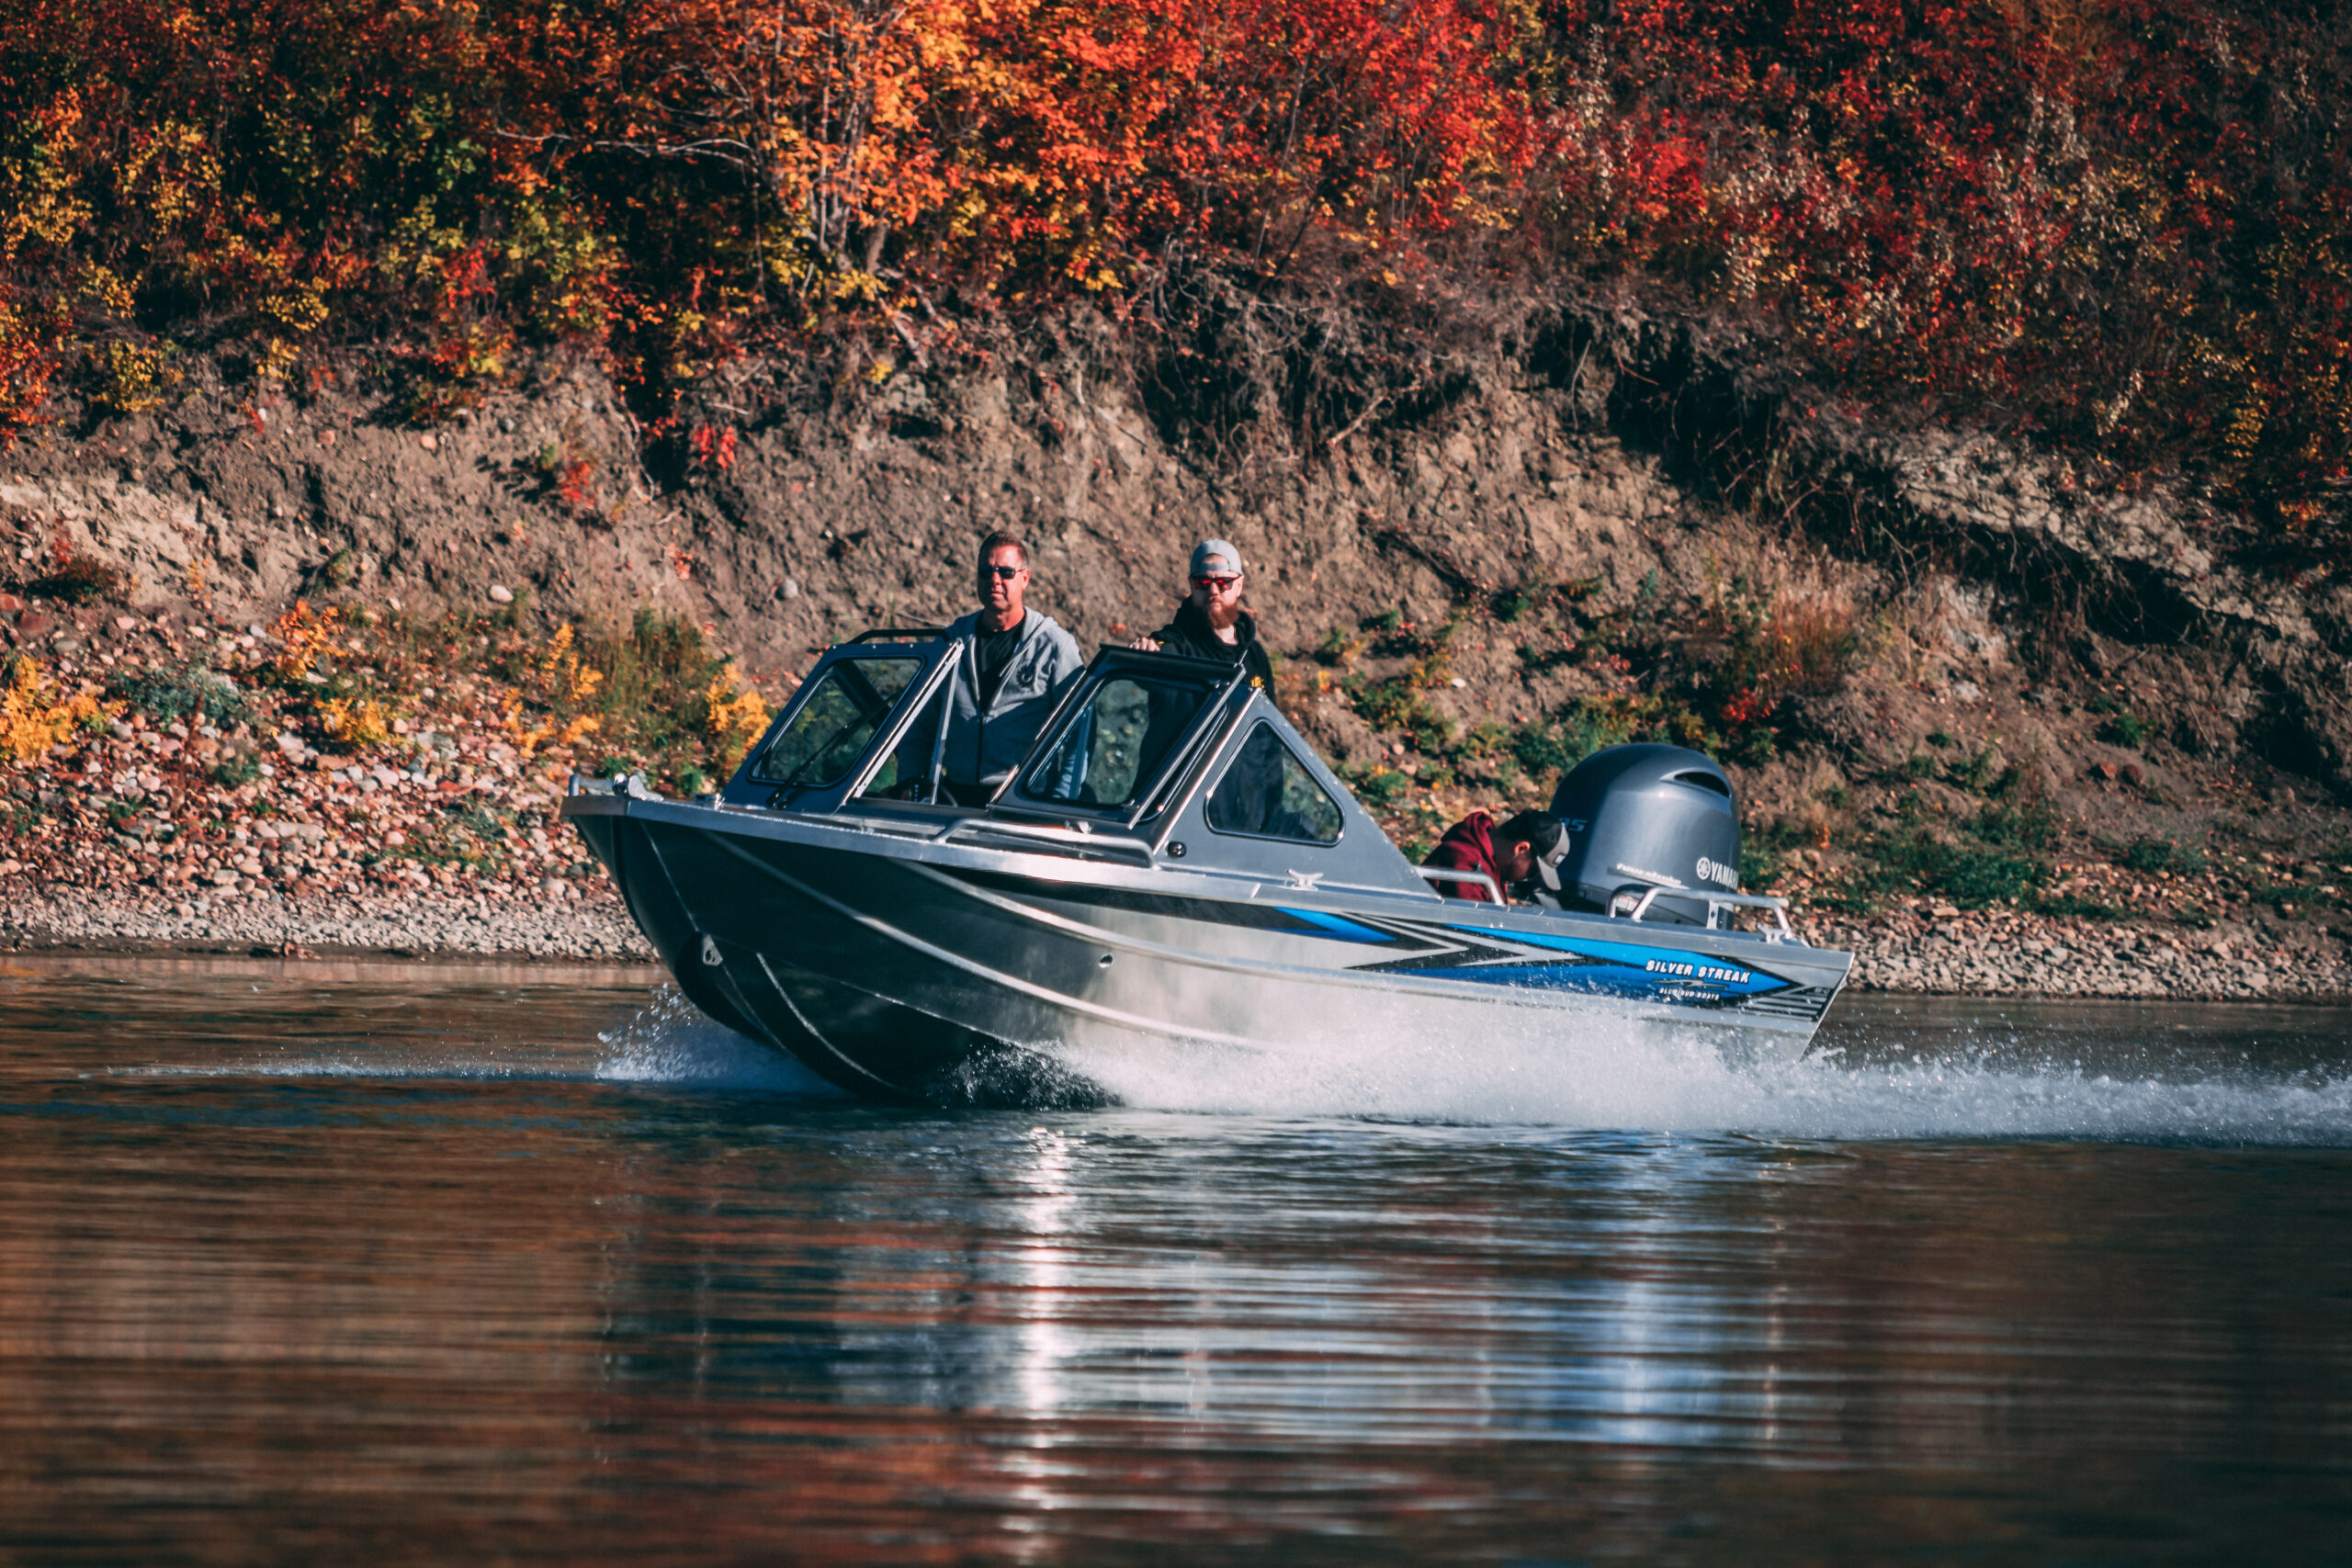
[37,715]
[737,715]
[29,339]
[1064,140]
[2119,220]
[304,636]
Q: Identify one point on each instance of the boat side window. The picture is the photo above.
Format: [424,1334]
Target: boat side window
[836,722]
[1114,748]
[1266,792]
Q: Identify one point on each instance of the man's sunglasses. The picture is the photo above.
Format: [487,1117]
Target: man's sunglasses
[1213,583]
[1007,573]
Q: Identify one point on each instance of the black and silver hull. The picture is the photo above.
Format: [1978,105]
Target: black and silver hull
[912,967]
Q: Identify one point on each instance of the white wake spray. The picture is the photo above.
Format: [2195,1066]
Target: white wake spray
[671,1042]
[1611,1071]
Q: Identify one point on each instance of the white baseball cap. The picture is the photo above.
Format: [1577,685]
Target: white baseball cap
[1214,558]
[1547,861]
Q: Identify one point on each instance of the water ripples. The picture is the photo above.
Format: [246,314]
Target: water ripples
[522,1265]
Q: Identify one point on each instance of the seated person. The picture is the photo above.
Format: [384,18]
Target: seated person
[1525,849]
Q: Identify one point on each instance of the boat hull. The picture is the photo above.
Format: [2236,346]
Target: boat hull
[907,969]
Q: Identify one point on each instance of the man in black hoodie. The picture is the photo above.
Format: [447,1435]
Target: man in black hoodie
[1210,622]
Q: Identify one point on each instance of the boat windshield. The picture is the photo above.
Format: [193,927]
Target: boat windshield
[836,722]
[1111,754]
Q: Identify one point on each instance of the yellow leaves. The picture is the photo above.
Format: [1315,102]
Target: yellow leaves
[36,716]
[136,377]
[530,737]
[2247,421]
[37,201]
[98,286]
[355,721]
[555,679]
[739,715]
[558,677]
[171,173]
[306,635]
[295,313]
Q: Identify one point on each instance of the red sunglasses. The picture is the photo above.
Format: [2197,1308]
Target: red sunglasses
[1213,583]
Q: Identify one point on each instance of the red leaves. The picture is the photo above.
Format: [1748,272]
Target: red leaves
[2120,219]
[713,448]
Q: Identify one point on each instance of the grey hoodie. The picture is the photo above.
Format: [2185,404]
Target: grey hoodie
[982,747]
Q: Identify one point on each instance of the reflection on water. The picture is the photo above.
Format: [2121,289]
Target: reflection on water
[300,1262]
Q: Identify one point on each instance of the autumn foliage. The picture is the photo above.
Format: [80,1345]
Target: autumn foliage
[2117,223]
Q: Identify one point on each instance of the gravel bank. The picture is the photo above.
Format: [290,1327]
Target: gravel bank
[1978,954]
[488,924]
[2004,953]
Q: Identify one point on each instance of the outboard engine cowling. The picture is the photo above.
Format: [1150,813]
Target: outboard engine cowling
[1643,817]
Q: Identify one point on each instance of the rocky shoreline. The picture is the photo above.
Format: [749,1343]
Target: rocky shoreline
[2003,954]
[499,924]
[1987,952]
[220,805]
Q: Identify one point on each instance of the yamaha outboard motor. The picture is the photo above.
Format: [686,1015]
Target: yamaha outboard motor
[1644,816]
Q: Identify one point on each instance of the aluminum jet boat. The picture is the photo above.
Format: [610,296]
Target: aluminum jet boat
[1172,870]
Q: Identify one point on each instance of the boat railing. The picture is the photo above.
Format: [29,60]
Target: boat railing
[898,634]
[1630,904]
[1447,874]
[1045,836]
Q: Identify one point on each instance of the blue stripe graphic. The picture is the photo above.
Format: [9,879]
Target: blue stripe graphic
[1338,926]
[1622,964]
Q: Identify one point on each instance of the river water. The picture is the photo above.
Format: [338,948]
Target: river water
[316,1263]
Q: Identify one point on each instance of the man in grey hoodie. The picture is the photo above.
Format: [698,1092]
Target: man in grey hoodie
[1012,665]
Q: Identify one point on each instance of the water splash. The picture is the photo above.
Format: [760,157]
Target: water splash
[671,1042]
[1614,1071]
[1611,1069]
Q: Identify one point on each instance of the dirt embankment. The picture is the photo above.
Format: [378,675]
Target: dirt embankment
[1947,676]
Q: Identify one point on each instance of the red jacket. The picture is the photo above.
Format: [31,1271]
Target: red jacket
[1468,845]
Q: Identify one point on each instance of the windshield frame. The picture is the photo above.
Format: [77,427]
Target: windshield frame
[1166,789]
[748,788]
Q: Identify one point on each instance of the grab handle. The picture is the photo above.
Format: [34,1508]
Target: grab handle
[1447,874]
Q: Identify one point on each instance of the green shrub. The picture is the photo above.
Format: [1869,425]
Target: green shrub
[2162,854]
[2070,905]
[1763,853]
[1538,748]
[2033,826]
[1376,786]
[1973,878]
[1514,603]
[1486,739]
[1339,647]
[1583,730]
[2125,729]
[1961,868]
[1978,775]
[184,691]
[1398,703]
